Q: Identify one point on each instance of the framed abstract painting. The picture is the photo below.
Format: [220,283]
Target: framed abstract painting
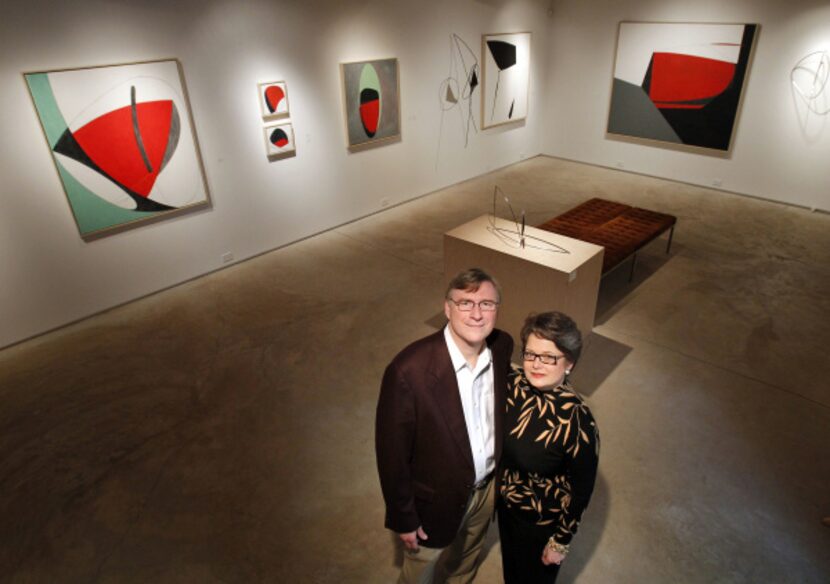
[273,99]
[680,83]
[505,78]
[123,142]
[279,140]
[371,97]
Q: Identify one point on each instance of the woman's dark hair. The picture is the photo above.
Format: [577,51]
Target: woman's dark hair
[557,327]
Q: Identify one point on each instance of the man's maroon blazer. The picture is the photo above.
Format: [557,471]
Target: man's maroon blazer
[424,457]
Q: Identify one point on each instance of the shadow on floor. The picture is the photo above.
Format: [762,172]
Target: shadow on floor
[586,540]
[615,288]
[600,356]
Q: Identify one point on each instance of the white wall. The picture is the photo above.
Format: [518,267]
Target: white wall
[779,152]
[49,276]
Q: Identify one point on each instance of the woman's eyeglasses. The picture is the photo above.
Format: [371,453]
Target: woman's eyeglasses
[545,358]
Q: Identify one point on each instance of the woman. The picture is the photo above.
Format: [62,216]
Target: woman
[549,461]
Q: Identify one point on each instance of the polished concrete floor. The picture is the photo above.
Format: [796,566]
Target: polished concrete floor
[222,431]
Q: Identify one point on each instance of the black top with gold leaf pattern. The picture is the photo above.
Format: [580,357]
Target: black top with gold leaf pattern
[549,461]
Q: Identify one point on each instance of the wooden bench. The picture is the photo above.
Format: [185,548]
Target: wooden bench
[621,229]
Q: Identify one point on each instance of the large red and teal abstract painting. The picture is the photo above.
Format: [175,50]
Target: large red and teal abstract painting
[680,83]
[370,94]
[122,140]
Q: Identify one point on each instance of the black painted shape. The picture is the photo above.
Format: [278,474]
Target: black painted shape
[473,81]
[68,146]
[510,113]
[277,135]
[647,79]
[712,125]
[368,95]
[504,54]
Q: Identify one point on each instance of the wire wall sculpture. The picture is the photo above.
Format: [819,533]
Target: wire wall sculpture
[810,78]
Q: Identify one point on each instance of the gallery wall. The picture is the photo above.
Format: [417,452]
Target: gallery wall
[780,151]
[49,276]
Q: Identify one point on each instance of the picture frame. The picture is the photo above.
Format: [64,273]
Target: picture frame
[505,78]
[279,140]
[371,101]
[123,142]
[680,84]
[273,99]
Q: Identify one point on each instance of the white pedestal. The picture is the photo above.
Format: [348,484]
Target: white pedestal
[533,279]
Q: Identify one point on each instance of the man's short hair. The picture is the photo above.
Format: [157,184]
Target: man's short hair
[470,280]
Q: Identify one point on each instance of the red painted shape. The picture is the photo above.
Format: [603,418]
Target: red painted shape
[110,141]
[273,96]
[281,142]
[679,78]
[370,115]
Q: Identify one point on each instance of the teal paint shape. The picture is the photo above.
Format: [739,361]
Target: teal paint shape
[93,213]
[47,108]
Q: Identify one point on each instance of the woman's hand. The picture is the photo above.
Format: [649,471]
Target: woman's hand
[551,557]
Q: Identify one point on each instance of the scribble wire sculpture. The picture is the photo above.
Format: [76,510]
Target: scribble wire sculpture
[516,236]
[814,68]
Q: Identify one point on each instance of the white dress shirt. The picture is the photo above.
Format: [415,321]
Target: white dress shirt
[475,386]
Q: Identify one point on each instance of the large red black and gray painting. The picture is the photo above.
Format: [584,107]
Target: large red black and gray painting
[680,83]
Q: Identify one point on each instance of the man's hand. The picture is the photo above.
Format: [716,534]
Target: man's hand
[410,540]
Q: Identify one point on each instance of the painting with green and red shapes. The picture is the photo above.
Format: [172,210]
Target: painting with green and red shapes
[372,101]
[123,143]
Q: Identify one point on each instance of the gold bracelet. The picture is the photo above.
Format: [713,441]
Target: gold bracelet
[557,547]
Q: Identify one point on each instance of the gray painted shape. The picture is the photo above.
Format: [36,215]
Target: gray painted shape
[633,114]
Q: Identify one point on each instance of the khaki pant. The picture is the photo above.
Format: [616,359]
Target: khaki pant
[458,562]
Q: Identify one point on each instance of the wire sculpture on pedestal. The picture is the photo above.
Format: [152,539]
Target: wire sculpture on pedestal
[516,236]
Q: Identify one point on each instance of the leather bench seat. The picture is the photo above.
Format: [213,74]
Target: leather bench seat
[621,229]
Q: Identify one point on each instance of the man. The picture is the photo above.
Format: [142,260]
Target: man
[438,435]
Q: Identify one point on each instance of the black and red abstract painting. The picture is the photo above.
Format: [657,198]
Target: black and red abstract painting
[680,83]
[273,99]
[279,140]
[372,101]
[122,141]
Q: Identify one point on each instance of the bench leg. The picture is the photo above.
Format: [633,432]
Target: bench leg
[671,234]
[633,265]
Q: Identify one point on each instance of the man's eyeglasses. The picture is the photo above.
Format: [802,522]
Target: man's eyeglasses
[468,305]
[544,358]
